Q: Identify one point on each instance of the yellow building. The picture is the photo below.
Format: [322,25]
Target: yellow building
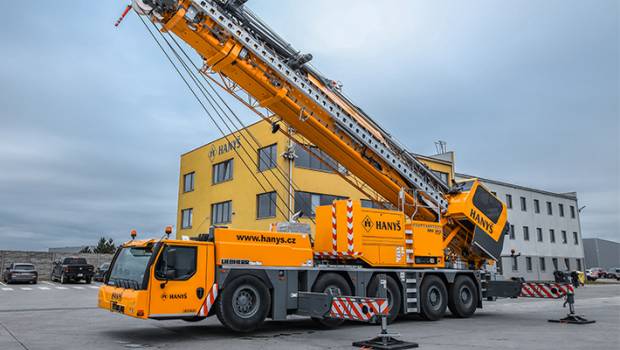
[248,180]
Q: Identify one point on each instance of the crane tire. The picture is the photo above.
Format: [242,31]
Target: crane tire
[463,298]
[433,298]
[395,297]
[335,284]
[243,304]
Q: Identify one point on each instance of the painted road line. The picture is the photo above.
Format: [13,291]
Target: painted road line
[2,284]
[78,287]
[62,288]
[93,287]
[26,288]
[7,289]
[44,288]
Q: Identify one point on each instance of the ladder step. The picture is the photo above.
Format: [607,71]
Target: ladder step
[412,290]
[409,260]
[410,280]
[409,251]
[409,241]
[412,309]
[412,300]
[408,232]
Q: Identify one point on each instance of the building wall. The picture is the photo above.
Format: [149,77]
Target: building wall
[242,189]
[601,253]
[43,261]
[533,248]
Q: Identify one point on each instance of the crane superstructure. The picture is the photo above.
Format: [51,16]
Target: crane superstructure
[417,245]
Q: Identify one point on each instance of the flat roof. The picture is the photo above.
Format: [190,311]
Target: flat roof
[569,195]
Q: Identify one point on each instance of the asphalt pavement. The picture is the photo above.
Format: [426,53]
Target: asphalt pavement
[53,316]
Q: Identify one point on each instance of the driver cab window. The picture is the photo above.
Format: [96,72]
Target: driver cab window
[176,263]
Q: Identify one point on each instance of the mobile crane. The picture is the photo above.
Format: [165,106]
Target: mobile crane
[246,276]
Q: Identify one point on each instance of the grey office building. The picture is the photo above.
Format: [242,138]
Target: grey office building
[601,253]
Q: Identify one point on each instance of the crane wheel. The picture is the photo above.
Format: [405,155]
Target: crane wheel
[243,304]
[463,298]
[334,284]
[433,298]
[395,298]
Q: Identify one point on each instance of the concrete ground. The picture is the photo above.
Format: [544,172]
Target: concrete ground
[53,316]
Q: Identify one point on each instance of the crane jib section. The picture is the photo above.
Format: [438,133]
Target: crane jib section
[412,174]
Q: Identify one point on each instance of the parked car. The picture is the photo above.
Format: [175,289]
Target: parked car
[614,272]
[101,271]
[20,272]
[595,273]
[72,270]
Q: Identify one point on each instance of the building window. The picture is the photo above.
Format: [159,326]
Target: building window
[528,263]
[221,213]
[543,264]
[561,207]
[536,206]
[539,234]
[578,264]
[441,175]
[555,263]
[267,157]
[523,204]
[552,235]
[307,202]
[575,238]
[509,201]
[222,171]
[266,205]
[549,209]
[567,263]
[572,212]
[188,182]
[367,203]
[515,264]
[186,218]
[526,233]
[564,238]
[512,231]
[310,160]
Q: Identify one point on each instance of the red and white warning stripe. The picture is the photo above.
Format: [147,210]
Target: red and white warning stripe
[209,301]
[335,255]
[350,236]
[545,290]
[334,229]
[358,309]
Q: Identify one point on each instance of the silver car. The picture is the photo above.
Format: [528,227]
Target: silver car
[20,272]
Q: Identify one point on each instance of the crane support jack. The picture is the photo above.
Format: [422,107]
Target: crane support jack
[385,340]
[572,317]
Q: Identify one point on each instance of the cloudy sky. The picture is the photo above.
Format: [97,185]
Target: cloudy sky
[94,119]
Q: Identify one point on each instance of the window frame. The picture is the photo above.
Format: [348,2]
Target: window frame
[549,208]
[313,152]
[528,263]
[536,206]
[274,161]
[575,238]
[526,233]
[508,201]
[523,202]
[193,182]
[161,255]
[572,212]
[561,209]
[564,237]
[552,235]
[191,218]
[567,263]
[512,234]
[274,202]
[214,172]
[542,263]
[539,234]
[213,205]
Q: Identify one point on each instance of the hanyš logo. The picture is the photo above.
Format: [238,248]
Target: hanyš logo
[367,223]
[165,296]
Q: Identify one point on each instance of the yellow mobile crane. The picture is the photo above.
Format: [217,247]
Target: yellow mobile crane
[246,276]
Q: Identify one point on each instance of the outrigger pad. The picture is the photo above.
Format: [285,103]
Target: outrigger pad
[573,319]
[385,343]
